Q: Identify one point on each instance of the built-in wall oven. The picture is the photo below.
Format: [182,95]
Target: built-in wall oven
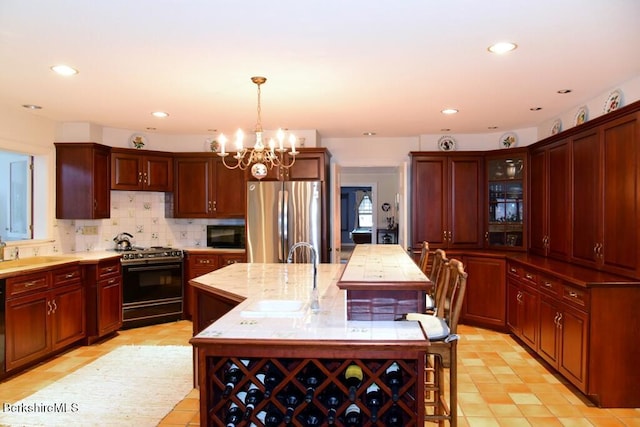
[152,288]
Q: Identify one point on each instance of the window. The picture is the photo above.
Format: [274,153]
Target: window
[16,183]
[365,212]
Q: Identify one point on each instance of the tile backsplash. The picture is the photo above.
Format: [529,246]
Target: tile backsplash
[141,214]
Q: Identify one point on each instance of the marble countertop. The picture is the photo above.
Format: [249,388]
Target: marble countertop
[267,282]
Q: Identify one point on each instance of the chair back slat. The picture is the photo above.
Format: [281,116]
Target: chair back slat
[455,285]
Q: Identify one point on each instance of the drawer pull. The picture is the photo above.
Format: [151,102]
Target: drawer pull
[513,270]
[548,285]
[573,294]
[70,276]
[109,269]
[30,284]
[529,276]
[112,281]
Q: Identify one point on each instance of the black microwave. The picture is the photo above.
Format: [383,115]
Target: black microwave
[226,236]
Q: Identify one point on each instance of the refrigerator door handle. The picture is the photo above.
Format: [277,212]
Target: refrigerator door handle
[285,224]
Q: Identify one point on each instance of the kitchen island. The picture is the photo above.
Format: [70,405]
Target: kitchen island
[270,332]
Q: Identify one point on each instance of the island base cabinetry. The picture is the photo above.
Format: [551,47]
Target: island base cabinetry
[304,383]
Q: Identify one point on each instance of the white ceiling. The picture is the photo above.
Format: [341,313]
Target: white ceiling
[341,67]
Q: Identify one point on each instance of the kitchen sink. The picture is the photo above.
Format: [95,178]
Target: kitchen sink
[275,308]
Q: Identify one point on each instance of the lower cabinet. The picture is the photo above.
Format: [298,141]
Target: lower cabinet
[202,262]
[44,313]
[104,299]
[486,293]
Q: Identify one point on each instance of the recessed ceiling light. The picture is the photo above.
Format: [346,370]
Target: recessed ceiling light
[368,133]
[32,106]
[535,108]
[160,114]
[64,70]
[502,47]
[449,111]
[563,91]
[151,128]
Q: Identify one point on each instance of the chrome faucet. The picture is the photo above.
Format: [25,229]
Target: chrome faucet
[2,246]
[315,305]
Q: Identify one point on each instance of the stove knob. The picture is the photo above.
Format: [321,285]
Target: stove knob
[140,255]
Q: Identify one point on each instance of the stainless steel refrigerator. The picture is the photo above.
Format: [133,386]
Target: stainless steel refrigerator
[280,214]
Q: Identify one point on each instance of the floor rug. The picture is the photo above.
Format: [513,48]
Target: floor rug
[130,386]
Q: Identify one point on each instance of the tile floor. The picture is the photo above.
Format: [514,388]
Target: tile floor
[500,384]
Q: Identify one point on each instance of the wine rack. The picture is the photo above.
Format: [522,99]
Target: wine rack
[280,378]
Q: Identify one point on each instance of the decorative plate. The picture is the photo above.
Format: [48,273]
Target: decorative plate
[556,127]
[582,115]
[614,101]
[508,140]
[138,141]
[447,143]
[211,144]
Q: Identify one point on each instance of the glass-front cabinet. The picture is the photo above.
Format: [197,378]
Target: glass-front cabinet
[506,205]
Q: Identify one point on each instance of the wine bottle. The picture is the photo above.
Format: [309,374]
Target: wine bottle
[270,418]
[331,399]
[232,376]
[394,417]
[311,416]
[290,398]
[393,378]
[353,416]
[272,378]
[373,400]
[311,377]
[252,397]
[234,415]
[353,376]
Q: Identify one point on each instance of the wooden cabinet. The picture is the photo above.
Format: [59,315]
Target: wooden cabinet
[311,164]
[104,298]
[205,188]
[522,304]
[606,196]
[579,321]
[506,206]
[44,313]
[82,181]
[550,190]
[486,292]
[203,262]
[135,170]
[448,200]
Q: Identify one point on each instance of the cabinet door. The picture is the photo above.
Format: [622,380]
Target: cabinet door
[572,363]
[621,197]
[157,173]
[466,203]
[538,202]
[126,171]
[228,259]
[429,194]
[586,197]
[109,313]
[513,292]
[101,182]
[528,316]
[549,337]
[559,191]
[230,188]
[309,166]
[67,316]
[485,296]
[193,192]
[26,335]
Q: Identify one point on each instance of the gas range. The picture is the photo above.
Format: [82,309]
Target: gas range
[137,255]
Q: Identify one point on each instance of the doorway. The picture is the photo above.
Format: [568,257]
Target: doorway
[357,217]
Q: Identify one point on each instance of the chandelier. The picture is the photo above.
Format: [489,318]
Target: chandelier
[260,157]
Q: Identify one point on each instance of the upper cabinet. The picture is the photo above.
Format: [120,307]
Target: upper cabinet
[448,199]
[136,170]
[505,226]
[82,181]
[550,189]
[205,188]
[606,196]
[310,164]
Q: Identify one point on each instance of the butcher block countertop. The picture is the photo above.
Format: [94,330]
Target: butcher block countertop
[259,286]
[16,267]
